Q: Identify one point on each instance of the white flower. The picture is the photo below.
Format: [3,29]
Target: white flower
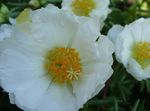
[56,65]
[97,9]
[133,47]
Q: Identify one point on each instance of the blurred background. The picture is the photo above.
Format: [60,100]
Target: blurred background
[122,92]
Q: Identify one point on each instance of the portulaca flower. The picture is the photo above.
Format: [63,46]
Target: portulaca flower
[97,9]
[56,65]
[132,44]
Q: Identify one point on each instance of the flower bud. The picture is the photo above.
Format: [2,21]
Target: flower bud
[35,3]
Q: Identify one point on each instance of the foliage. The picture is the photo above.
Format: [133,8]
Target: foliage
[122,92]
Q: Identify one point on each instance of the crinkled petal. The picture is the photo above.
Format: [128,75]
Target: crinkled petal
[102,10]
[19,60]
[136,71]
[12,98]
[85,41]
[18,70]
[123,45]
[58,98]
[31,95]
[5,31]
[24,44]
[95,73]
[114,32]
[91,82]
[106,48]
[53,33]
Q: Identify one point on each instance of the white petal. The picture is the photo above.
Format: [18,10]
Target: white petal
[56,33]
[58,98]
[136,71]
[145,30]
[84,41]
[17,70]
[24,44]
[136,31]
[12,21]
[106,48]
[101,10]
[91,82]
[89,27]
[139,30]
[31,95]
[95,73]
[12,98]
[104,71]
[88,53]
[99,13]
[5,31]
[114,32]
[123,46]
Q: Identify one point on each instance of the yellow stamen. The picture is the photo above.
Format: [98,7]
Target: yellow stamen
[63,64]
[141,53]
[83,7]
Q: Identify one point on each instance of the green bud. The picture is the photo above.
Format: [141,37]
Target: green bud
[144,6]
[4,9]
[35,3]
[2,18]
[43,2]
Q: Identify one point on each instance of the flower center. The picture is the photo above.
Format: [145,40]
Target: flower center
[141,53]
[63,64]
[83,7]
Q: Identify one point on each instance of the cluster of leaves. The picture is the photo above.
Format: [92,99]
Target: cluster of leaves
[122,92]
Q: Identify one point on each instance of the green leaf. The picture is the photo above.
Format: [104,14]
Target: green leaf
[135,107]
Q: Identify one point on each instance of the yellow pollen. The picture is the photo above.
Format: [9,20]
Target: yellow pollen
[141,53]
[83,7]
[63,64]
